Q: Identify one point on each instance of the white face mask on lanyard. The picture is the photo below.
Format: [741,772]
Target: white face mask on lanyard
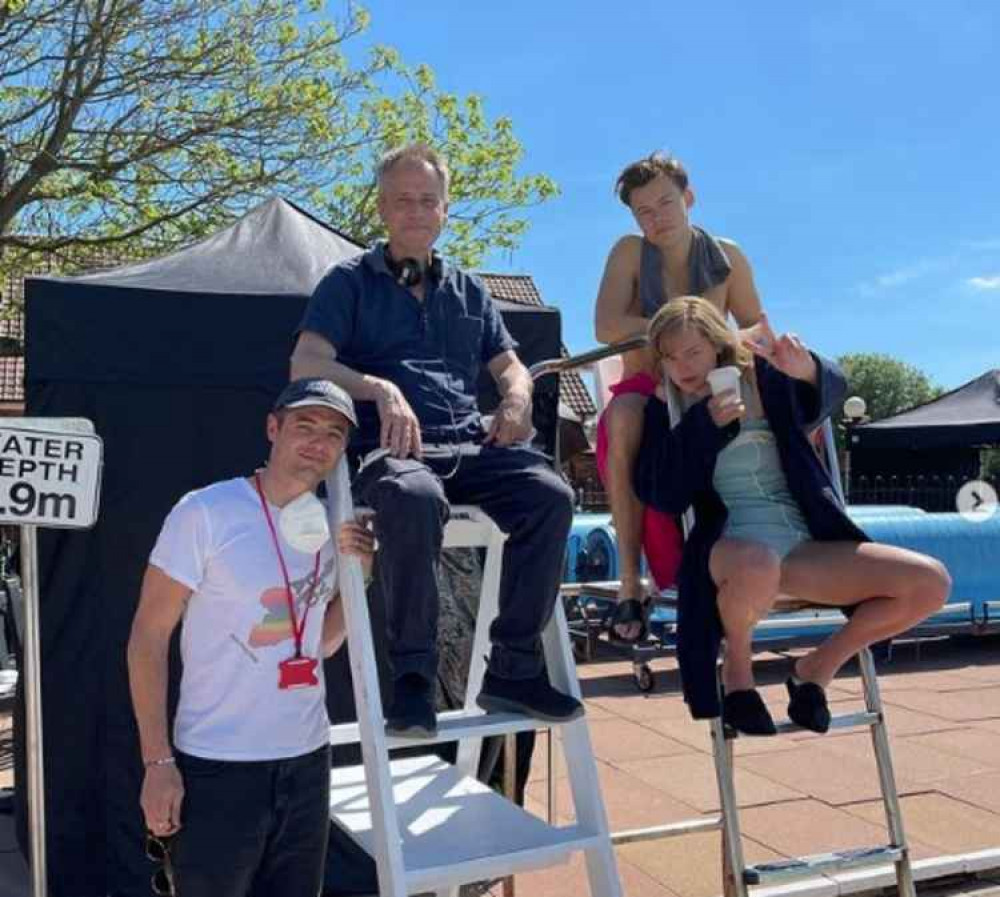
[303,523]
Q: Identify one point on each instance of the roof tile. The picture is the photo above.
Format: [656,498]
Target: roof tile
[521,288]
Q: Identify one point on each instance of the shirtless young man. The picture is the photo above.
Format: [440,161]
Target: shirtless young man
[671,258]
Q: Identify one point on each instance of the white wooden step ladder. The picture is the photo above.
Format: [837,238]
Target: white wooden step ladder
[431,825]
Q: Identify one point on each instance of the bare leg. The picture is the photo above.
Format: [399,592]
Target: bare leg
[623,418]
[747,575]
[896,588]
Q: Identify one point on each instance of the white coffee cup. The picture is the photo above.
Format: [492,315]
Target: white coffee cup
[725,378]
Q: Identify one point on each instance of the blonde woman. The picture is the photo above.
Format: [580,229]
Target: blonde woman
[767,519]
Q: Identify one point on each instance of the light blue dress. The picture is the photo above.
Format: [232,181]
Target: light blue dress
[751,483]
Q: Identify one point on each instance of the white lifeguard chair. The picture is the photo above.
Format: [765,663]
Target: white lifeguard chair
[431,825]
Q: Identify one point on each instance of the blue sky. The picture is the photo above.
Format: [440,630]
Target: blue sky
[852,150]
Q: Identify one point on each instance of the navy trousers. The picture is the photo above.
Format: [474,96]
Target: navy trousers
[529,502]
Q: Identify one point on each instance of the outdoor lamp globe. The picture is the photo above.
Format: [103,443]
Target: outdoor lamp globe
[855,408]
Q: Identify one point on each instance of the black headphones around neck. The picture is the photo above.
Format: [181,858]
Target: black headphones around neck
[408,272]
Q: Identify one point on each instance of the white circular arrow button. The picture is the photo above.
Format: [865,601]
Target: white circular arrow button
[976,501]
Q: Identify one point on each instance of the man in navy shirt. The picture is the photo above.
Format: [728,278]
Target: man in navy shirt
[406,334]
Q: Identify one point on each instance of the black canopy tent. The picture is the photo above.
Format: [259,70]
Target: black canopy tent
[176,361]
[965,417]
[930,443]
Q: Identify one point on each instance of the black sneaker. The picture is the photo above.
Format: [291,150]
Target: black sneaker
[411,713]
[534,697]
[807,705]
[746,712]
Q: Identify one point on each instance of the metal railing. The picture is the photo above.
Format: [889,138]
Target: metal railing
[930,492]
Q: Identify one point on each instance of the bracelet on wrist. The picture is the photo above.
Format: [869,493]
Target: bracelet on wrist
[160,761]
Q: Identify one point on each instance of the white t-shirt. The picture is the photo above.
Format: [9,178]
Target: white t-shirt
[236,627]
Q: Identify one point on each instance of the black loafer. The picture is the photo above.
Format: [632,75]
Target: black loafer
[411,713]
[807,705]
[746,712]
[534,697]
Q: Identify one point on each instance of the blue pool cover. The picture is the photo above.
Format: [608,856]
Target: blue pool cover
[969,549]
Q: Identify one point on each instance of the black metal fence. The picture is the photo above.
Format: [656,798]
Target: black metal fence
[932,493]
[591,497]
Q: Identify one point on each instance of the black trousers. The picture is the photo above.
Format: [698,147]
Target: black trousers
[254,828]
[518,489]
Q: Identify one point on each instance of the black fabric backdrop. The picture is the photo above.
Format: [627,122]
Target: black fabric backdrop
[178,385]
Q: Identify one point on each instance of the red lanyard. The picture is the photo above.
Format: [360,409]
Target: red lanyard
[298,629]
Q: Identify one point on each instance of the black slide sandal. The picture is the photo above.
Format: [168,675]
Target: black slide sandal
[629,610]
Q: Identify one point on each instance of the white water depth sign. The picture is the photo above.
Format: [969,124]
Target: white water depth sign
[49,477]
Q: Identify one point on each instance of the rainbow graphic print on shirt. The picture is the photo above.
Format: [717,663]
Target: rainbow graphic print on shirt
[276,626]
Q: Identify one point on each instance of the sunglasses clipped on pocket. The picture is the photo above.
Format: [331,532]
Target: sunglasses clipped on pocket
[158,850]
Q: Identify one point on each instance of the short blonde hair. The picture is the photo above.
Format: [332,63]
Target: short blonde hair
[695,313]
[414,152]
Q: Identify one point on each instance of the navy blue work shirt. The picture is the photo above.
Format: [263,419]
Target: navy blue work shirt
[432,350]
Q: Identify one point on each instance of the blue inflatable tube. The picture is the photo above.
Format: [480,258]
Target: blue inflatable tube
[863,512]
[970,550]
[578,564]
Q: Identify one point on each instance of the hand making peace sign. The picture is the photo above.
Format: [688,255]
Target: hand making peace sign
[786,352]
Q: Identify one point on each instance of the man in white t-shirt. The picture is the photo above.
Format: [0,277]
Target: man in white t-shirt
[247,568]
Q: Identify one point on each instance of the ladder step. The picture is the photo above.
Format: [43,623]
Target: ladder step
[846,721]
[452,726]
[836,861]
[454,828]
[669,830]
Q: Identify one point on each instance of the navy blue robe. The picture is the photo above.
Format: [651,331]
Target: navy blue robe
[674,471]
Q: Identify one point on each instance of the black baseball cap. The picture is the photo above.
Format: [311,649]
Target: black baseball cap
[315,391]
